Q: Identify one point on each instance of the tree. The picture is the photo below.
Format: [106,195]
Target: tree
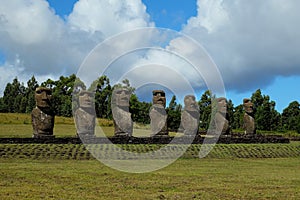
[238,117]
[230,112]
[205,109]
[291,117]
[174,114]
[103,92]
[32,84]
[266,117]
[62,91]
[12,98]
[139,110]
[2,106]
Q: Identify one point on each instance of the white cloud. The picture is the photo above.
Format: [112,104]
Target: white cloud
[46,44]
[206,9]
[109,17]
[252,42]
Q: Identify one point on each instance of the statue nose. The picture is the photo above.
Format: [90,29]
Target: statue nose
[44,95]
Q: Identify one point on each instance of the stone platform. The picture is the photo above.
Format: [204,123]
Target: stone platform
[230,139]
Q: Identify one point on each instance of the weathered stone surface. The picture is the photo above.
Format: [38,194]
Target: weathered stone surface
[42,116]
[158,114]
[85,115]
[249,122]
[220,122]
[120,109]
[159,98]
[190,116]
[158,122]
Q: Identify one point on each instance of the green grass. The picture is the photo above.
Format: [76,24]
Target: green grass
[68,171]
[184,179]
[19,125]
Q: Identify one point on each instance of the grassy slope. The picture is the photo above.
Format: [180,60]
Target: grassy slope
[184,179]
[69,171]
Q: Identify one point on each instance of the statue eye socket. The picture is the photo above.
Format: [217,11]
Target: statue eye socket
[161,95]
[46,91]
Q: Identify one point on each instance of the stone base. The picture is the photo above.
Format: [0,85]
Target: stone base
[148,140]
[85,135]
[160,134]
[122,134]
[41,136]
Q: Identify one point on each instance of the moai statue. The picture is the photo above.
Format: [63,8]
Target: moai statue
[249,123]
[42,116]
[120,110]
[190,116]
[220,122]
[158,114]
[85,116]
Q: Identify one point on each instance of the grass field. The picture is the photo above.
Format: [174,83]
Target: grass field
[68,171]
[19,125]
[184,179]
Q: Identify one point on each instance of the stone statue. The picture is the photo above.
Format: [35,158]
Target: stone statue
[120,110]
[190,116]
[220,122]
[85,115]
[249,123]
[158,114]
[42,116]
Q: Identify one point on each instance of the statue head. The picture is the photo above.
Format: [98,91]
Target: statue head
[42,97]
[222,105]
[86,99]
[121,97]
[159,97]
[248,106]
[190,103]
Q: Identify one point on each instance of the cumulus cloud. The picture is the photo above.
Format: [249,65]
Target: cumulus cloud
[154,56]
[109,17]
[45,44]
[251,42]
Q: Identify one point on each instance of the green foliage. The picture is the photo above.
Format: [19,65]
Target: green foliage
[103,92]
[20,99]
[174,114]
[139,110]
[29,98]
[230,111]
[13,95]
[291,117]
[205,110]
[238,117]
[266,117]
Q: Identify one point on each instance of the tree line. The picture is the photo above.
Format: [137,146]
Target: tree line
[19,98]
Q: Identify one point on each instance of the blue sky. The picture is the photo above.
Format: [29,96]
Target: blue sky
[252,48]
